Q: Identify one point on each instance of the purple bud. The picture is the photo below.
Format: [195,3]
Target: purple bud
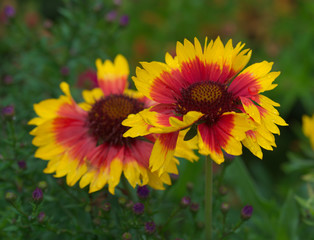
[185,201]
[111,16]
[41,217]
[64,71]
[37,195]
[246,212]
[9,11]
[142,192]
[124,20]
[21,164]
[8,111]
[194,207]
[150,227]
[138,208]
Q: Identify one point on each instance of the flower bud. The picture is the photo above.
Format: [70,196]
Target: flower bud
[224,207]
[223,190]
[122,200]
[129,204]
[185,201]
[111,16]
[194,207]
[124,20]
[8,111]
[189,186]
[9,11]
[142,192]
[126,236]
[42,185]
[246,212]
[37,195]
[138,208]
[10,196]
[41,217]
[150,227]
[106,207]
[21,164]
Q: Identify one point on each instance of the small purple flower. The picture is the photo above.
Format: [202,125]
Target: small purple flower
[150,227]
[246,212]
[185,201]
[138,208]
[9,11]
[8,111]
[41,217]
[37,195]
[194,207]
[124,20]
[142,192]
[64,71]
[111,16]
[21,164]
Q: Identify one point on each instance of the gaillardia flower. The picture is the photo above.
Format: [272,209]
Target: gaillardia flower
[203,90]
[308,128]
[84,141]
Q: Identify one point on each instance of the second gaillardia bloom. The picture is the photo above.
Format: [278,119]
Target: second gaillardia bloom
[205,91]
[84,141]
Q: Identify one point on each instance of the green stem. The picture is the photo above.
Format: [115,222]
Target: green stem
[208,198]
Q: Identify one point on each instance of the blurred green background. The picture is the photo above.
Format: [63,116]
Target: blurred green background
[47,42]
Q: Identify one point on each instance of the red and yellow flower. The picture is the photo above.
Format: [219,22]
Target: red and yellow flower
[84,141]
[206,92]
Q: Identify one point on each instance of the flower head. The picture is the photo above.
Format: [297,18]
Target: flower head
[206,91]
[9,11]
[150,227]
[142,192]
[138,208]
[246,212]
[37,195]
[308,128]
[84,141]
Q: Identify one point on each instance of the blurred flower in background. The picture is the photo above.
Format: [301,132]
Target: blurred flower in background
[308,128]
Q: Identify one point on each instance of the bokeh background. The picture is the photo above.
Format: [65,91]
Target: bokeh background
[45,42]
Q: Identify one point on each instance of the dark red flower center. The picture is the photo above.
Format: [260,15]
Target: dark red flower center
[105,117]
[206,97]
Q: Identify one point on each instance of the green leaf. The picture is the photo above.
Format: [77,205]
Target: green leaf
[288,219]
[191,133]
